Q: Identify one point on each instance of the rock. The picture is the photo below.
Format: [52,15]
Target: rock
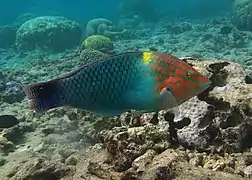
[52,33]
[41,169]
[191,173]
[248,171]
[178,28]
[39,148]
[141,162]
[226,29]
[196,111]
[13,92]
[58,140]
[159,168]
[170,164]
[219,166]
[92,164]
[15,133]
[130,175]
[234,163]
[2,161]
[2,85]
[197,160]
[6,146]
[125,145]
[173,164]
[71,160]
[57,158]
[47,130]
[92,125]
[220,117]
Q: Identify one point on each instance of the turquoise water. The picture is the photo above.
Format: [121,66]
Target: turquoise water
[82,11]
[44,39]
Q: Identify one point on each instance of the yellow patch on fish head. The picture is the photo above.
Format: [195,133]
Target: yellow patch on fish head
[147,57]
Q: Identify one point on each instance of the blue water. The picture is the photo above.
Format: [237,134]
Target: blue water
[85,10]
[153,12]
[44,39]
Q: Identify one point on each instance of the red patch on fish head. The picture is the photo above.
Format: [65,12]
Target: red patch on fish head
[197,77]
[192,78]
[183,80]
[185,86]
[176,85]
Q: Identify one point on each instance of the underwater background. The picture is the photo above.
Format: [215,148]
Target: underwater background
[209,137]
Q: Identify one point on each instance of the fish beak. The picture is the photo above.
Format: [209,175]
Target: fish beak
[205,85]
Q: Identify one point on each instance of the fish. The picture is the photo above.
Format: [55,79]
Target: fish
[8,121]
[143,81]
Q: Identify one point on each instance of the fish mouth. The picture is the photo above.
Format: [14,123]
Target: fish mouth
[205,85]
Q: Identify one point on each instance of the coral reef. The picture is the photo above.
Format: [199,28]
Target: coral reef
[52,33]
[88,55]
[101,26]
[242,14]
[92,27]
[8,32]
[99,43]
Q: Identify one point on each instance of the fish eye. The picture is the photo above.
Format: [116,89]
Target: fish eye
[188,74]
[168,89]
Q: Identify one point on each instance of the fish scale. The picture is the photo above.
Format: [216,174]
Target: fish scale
[112,93]
[143,81]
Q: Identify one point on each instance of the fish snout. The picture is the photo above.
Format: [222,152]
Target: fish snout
[206,84]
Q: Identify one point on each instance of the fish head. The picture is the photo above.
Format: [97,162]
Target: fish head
[187,82]
[170,71]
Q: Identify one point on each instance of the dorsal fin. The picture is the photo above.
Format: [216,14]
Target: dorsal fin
[91,63]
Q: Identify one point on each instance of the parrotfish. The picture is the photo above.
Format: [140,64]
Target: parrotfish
[141,81]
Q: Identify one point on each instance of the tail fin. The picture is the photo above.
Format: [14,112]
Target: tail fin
[43,96]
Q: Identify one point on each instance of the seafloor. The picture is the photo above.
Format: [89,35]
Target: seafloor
[209,140]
